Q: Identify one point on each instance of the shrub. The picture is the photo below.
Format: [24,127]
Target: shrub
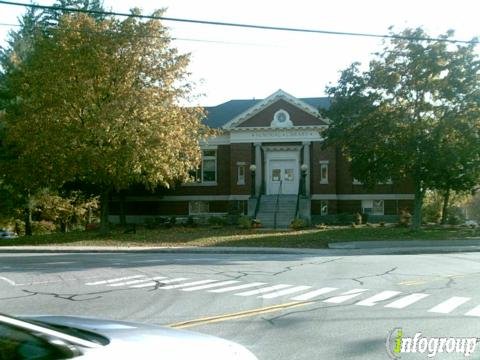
[217,221]
[344,218]
[244,222]
[358,219]
[298,223]
[43,227]
[455,216]
[364,218]
[155,223]
[405,218]
[190,222]
[382,224]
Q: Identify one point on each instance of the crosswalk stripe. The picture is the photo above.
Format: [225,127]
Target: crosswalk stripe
[313,294]
[137,281]
[345,296]
[238,287]
[406,301]
[208,286]
[373,300]
[449,305]
[284,292]
[263,290]
[114,280]
[474,312]
[200,282]
[153,283]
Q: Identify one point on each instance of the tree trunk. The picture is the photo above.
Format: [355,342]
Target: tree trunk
[90,215]
[446,198]
[104,199]
[123,217]
[27,212]
[417,211]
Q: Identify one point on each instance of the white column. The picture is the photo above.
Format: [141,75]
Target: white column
[306,161]
[258,171]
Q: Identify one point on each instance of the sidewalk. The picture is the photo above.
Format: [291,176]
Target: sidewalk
[335,248]
[388,244]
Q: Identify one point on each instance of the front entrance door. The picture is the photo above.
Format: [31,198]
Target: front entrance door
[284,172]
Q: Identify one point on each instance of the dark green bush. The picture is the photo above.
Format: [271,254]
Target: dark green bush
[217,220]
[245,222]
[298,223]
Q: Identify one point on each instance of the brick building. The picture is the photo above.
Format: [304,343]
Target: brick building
[268,162]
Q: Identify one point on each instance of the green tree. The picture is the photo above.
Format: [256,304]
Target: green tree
[51,17]
[417,102]
[100,102]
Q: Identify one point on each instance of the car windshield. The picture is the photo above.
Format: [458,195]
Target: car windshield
[299,178]
[19,344]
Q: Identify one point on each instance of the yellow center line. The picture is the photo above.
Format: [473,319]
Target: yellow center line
[238,315]
[419,281]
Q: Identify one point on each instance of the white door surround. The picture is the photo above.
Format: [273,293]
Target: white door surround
[282,163]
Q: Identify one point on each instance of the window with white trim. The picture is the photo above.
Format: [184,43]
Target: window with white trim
[198,207]
[240,174]
[324,207]
[323,172]
[373,207]
[207,172]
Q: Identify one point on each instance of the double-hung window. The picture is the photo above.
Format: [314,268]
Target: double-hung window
[324,172]
[207,172]
[240,173]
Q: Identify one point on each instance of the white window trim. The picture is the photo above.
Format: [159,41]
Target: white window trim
[277,124]
[322,213]
[324,163]
[240,178]
[214,182]
[202,182]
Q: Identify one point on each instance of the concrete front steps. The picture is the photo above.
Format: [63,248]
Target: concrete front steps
[285,214]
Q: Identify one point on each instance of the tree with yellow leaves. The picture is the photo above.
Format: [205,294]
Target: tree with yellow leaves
[101,102]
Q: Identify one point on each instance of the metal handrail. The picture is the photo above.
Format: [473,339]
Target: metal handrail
[276,204]
[257,205]
[297,206]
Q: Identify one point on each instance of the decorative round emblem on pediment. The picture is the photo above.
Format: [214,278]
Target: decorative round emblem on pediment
[281,118]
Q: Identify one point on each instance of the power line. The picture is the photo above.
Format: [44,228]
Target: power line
[237,25]
[209,41]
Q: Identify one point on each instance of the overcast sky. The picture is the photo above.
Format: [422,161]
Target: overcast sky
[232,63]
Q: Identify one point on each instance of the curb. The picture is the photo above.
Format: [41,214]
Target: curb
[331,251]
[181,250]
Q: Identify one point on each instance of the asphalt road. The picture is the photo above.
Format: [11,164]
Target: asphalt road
[279,306]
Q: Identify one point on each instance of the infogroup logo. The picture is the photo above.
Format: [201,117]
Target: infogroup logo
[397,344]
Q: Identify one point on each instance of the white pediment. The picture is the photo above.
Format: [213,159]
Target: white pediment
[276,96]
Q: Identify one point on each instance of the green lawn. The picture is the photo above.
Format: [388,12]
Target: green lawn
[229,236]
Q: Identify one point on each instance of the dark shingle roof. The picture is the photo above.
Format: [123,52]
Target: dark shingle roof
[219,115]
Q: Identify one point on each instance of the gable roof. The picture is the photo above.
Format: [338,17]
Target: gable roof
[220,115]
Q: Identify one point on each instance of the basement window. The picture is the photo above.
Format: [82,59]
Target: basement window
[198,207]
[373,207]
